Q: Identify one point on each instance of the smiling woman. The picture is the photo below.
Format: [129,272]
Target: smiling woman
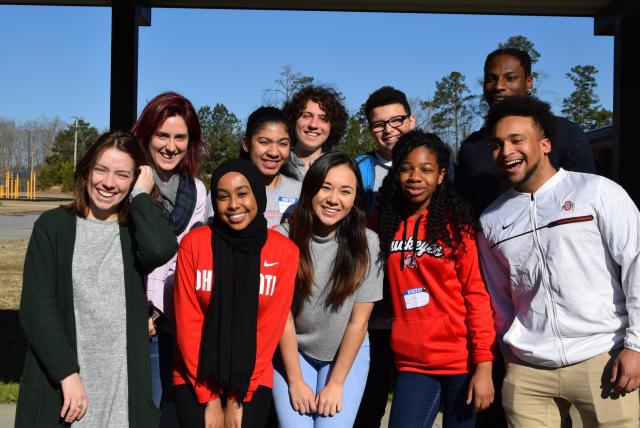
[83,309]
[325,347]
[234,288]
[442,329]
[169,133]
[267,144]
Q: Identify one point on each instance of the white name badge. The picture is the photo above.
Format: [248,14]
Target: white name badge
[285,202]
[415,298]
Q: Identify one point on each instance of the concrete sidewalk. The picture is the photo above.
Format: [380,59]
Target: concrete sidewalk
[7,414]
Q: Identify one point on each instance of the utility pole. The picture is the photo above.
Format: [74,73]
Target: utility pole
[75,140]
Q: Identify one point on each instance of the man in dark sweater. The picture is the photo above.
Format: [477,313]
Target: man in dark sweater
[507,72]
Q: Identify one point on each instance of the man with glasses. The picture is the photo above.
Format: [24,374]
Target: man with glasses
[389,117]
[507,72]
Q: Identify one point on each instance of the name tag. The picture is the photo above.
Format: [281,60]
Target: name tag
[415,298]
[285,202]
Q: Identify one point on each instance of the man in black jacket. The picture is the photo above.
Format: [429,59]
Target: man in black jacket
[507,72]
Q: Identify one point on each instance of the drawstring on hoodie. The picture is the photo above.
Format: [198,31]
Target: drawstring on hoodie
[416,227]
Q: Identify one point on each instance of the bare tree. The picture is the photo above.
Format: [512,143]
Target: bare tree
[27,143]
[421,112]
[289,83]
[43,134]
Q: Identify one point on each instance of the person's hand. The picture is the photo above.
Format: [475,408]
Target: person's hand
[303,400]
[481,387]
[145,179]
[152,327]
[75,398]
[329,399]
[625,372]
[213,415]
[233,414]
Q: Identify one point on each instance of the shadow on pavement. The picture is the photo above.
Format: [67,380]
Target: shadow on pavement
[13,346]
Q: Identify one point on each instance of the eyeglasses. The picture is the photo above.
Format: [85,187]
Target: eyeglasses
[394,122]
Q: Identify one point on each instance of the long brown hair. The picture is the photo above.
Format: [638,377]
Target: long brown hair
[352,260]
[121,140]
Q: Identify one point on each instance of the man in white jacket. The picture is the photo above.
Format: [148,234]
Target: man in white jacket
[560,254]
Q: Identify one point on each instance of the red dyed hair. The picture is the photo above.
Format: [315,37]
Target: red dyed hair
[159,109]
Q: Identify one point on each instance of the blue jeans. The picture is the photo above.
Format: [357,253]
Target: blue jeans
[417,398]
[162,350]
[315,374]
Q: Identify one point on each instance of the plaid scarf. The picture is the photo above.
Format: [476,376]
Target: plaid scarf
[185,205]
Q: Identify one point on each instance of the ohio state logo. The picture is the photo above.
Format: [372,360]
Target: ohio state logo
[567,206]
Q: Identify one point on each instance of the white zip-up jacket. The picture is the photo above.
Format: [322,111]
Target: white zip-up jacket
[563,269]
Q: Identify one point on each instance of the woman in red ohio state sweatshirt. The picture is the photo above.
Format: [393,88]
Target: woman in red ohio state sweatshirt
[235,282]
[442,330]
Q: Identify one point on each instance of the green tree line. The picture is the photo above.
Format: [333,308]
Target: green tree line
[453,112]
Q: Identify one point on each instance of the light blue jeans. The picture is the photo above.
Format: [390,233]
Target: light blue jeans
[315,374]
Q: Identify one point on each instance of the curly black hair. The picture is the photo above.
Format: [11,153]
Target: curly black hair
[525,106]
[450,215]
[330,101]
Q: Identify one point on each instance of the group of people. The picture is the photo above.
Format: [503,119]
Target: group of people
[306,285]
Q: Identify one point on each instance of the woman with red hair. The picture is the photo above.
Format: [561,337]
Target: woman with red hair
[168,131]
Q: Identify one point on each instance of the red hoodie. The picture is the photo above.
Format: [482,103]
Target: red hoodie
[194,276]
[442,313]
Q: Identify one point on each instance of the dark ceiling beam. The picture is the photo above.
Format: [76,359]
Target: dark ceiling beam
[499,7]
[126,17]
[626,92]
[604,23]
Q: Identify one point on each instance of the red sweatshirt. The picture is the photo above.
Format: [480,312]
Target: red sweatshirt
[442,317]
[194,276]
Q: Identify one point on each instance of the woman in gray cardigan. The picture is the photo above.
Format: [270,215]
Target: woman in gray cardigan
[83,307]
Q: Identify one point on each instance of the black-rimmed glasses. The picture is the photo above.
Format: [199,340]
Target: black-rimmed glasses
[394,122]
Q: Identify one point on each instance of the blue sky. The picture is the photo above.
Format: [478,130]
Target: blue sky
[55,61]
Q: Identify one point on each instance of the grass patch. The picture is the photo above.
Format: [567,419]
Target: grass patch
[12,341]
[9,392]
[11,264]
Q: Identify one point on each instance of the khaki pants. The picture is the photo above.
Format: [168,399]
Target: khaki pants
[535,397]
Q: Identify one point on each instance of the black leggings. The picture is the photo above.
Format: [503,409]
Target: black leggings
[191,413]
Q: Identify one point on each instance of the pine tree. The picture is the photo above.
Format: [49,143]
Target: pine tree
[59,167]
[582,105]
[221,134]
[453,109]
[357,138]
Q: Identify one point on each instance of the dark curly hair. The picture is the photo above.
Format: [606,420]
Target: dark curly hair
[450,216]
[330,101]
[525,106]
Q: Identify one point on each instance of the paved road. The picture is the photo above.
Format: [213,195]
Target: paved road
[17,226]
